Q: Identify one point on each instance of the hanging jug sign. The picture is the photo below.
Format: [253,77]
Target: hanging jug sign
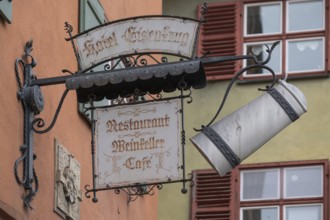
[151,34]
[137,144]
[235,137]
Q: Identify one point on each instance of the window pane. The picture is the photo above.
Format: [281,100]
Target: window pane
[259,184]
[311,212]
[310,12]
[260,51]
[303,182]
[260,214]
[263,19]
[305,55]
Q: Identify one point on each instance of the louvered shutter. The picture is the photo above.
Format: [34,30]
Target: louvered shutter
[213,196]
[219,36]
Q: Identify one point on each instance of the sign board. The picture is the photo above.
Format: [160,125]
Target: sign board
[137,35]
[137,143]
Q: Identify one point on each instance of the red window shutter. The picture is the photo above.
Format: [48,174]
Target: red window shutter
[212,196]
[219,36]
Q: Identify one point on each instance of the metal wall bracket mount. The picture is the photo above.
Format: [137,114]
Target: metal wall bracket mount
[32,103]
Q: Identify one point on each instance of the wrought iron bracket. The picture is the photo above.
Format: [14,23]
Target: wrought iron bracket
[32,101]
[30,95]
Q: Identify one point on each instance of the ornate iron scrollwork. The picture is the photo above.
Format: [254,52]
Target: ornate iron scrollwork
[139,190]
[33,103]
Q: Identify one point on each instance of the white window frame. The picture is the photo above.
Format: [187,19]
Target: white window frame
[304,39]
[279,46]
[254,170]
[259,207]
[303,31]
[261,4]
[302,167]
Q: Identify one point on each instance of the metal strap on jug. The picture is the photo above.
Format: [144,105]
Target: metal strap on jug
[284,104]
[232,158]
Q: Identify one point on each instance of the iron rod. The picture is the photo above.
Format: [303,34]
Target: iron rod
[61,79]
[50,81]
[93,149]
[147,184]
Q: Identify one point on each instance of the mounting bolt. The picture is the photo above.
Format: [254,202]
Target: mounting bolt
[20,95]
[22,148]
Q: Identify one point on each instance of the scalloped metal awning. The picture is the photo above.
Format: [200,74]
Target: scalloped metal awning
[152,79]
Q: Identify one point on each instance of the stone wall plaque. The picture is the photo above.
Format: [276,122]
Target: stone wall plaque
[67,183]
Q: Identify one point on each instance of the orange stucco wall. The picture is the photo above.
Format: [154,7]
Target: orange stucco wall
[117,9]
[43,21]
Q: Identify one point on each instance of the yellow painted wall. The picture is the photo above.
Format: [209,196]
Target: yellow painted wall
[43,21]
[306,139]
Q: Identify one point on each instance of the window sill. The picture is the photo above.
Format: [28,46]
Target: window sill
[269,78]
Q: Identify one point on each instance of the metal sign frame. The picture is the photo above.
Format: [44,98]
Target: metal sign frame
[134,190]
[137,143]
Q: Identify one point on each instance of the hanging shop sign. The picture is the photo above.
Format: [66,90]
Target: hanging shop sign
[137,144]
[152,34]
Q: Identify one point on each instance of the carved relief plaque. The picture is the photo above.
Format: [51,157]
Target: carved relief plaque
[67,183]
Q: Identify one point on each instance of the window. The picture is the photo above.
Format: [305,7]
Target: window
[303,182]
[304,212]
[299,25]
[273,191]
[260,184]
[260,213]
[296,190]
[302,43]
[263,19]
